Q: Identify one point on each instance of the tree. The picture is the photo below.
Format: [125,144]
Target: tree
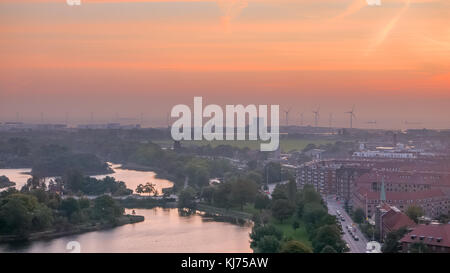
[359,215]
[74,180]
[262,201]
[259,231]
[280,192]
[282,209]
[294,246]
[414,212]
[222,195]
[268,244]
[69,206]
[291,190]
[208,194]
[310,195]
[106,208]
[22,213]
[186,199]
[5,182]
[391,243]
[328,235]
[14,217]
[243,191]
[328,249]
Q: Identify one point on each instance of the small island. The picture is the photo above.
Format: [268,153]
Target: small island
[5,182]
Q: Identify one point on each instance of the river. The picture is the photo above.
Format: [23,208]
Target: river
[163,230]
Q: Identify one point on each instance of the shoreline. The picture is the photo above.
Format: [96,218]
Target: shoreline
[79,229]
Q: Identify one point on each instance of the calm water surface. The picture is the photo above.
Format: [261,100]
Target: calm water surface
[130,177]
[163,230]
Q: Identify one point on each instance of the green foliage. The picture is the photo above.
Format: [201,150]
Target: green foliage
[243,191]
[328,249]
[106,208]
[294,246]
[75,183]
[328,235]
[414,212]
[280,192]
[54,160]
[22,213]
[69,206]
[186,199]
[259,232]
[262,201]
[148,188]
[4,182]
[391,243]
[268,244]
[359,215]
[282,209]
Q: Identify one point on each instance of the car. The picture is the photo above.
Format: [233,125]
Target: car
[342,219]
[356,238]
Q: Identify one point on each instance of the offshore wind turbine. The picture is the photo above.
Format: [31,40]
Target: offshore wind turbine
[316,116]
[301,119]
[352,115]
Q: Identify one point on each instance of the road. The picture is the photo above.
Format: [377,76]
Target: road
[355,246]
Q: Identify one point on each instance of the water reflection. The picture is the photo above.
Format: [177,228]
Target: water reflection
[163,230]
[131,178]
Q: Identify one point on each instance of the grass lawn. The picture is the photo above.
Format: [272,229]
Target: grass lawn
[286,144]
[288,231]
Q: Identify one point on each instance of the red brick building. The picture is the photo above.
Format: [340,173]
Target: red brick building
[435,237]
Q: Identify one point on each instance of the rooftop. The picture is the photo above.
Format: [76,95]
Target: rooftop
[438,235]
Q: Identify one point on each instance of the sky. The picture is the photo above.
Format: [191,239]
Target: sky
[115,60]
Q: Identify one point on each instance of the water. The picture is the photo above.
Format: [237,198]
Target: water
[19,176]
[134,178]
[130,177]
[163,231]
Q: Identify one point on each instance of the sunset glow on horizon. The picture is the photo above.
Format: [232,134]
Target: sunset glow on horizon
[130,57]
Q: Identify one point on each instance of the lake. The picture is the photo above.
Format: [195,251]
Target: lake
[130,177]
[163,230]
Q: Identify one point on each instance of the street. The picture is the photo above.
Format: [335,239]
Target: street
[355,246]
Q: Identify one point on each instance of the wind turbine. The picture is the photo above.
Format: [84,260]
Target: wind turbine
[316,116]
[301,119]
[286,112]
[352,115]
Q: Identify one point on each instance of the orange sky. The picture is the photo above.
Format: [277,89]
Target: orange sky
[131,57]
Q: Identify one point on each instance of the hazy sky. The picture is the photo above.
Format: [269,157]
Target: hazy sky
[124,58]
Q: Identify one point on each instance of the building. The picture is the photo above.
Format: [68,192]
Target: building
[436,237]
[433,202]
[321,174]
[389,219]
